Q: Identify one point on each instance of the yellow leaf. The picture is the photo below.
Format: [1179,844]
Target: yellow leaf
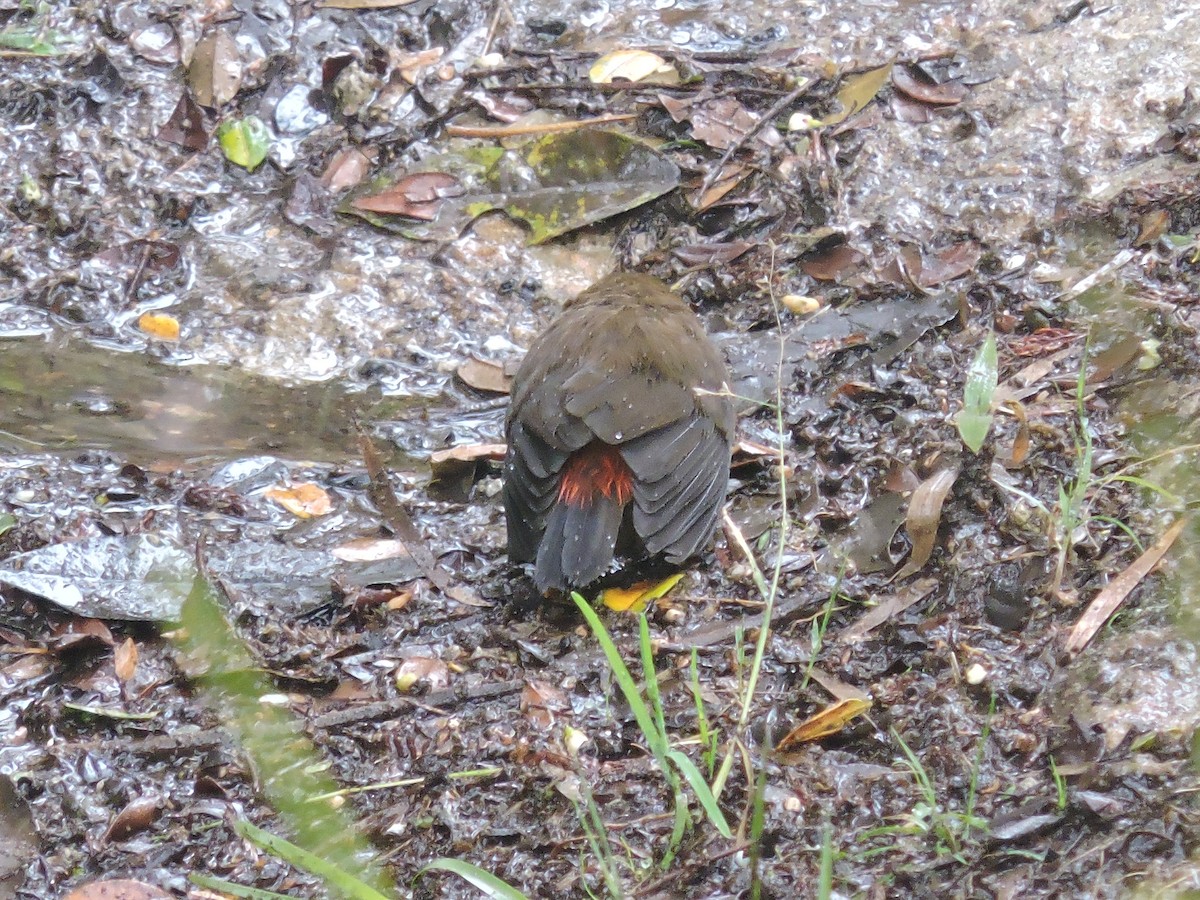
[634,599]
[159,325]
[632,65]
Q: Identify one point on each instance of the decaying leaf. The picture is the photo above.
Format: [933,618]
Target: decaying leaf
[632,65]
[830,720]
[924,517]
[554,184]
[347,169]
[416,196]
[484,375]
[885,608]
[831,263]
[304,501]
[422,669]
[1105,603]
[185,127]
[857,91]
[922,89]
[125,659]
[215,73]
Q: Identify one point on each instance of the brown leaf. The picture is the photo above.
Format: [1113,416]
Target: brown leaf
[432,672]
[1154,225]
[1042,341]
[125,659]
[949,263]
[829,720]
[1105,603]
[886,608]
[721,123]
[416,196]
[347,168]
[138,815]
[830,264]
[918,87]
[185,128]
[712,254]
[484,375]
[924,517]
[542,702]
[215,73]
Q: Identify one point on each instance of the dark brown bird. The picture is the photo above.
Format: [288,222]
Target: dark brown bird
[611,447]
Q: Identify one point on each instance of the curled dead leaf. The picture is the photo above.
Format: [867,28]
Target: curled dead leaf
[830,720]
[924,517]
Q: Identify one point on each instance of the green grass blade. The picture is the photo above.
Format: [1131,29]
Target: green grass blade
[489,884]
[234,890]
[703,793]
[624,680]
[284,849]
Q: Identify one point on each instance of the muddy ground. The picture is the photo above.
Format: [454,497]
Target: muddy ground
[1032,173]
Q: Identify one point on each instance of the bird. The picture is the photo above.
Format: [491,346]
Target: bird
[619,433]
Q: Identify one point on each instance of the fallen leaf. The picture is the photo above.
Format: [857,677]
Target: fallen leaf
[484,375]
[1153,225]
[125,659]
[432,672]
[829,720]
[918,87]
[185,128]
[635,599]
[885,608]
[215,73]
[632,65]
[244,141]
[160,325]
[923,518]
[831,263]
[304,501]
[1105,603]
[856,92]
[416,196]
[348,168]
[118,889]
[370,550]
[974,420]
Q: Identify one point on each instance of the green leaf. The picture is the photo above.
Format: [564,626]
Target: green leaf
[703,793]
[244,141]
[484,880]
[975,420]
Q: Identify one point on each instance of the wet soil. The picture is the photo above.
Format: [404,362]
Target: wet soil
[1035,177]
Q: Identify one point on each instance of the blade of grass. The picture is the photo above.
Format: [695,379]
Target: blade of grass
[284,849]
[703,793]
[491,886]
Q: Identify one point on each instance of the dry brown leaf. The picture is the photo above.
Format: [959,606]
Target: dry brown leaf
[1105,603]
[215,73]
[887,607]
[829,720]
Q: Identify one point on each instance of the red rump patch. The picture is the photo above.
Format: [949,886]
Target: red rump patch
[596,470]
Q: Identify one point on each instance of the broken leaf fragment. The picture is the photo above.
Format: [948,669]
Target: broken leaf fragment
[632,65]
[244,141]
[975,419]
